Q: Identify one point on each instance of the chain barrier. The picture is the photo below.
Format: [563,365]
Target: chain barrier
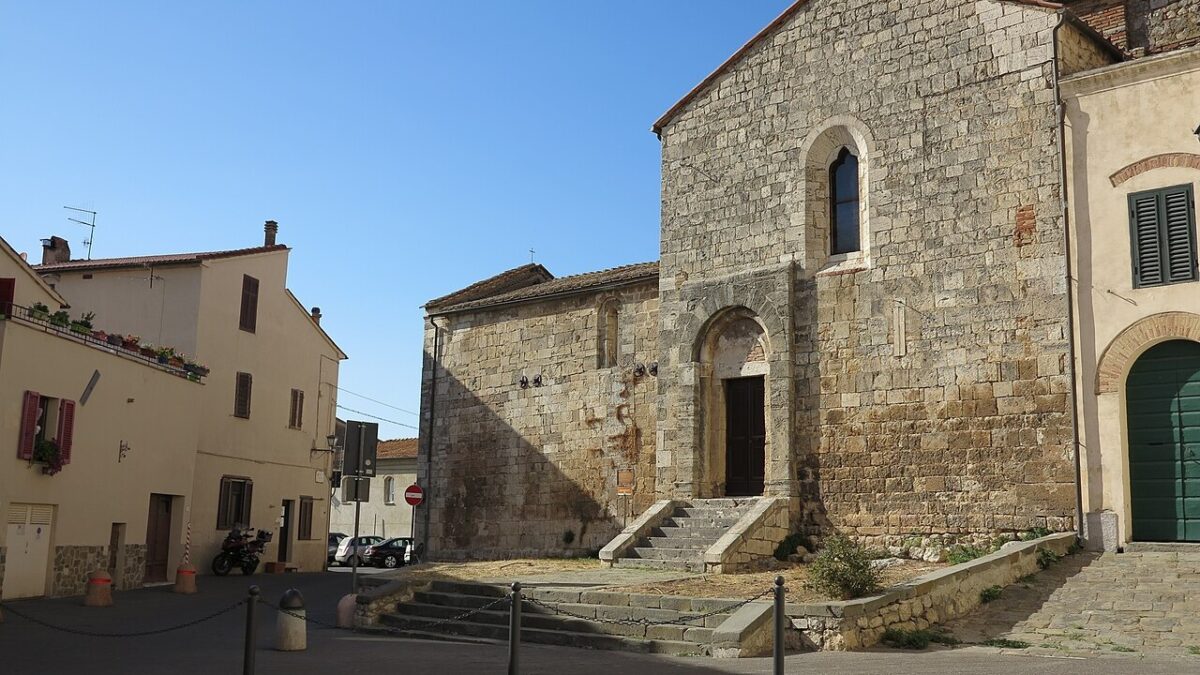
[680,620]
[142,633]
[454,619]
[308,619]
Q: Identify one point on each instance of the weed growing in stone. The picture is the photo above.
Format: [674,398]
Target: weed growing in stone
[1035,533]
[1194,650]
[916,639]
[1005,643]
[965,553]
[1123,649]
[843,570]
[990,593]
[1046,557]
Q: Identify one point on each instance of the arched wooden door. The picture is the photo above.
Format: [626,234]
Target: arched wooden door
[1163,405]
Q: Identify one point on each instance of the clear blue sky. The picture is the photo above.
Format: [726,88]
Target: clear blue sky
[407,149]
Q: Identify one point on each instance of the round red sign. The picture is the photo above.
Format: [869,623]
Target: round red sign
[414,495]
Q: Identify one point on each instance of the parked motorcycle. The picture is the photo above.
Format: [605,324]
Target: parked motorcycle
[240,549]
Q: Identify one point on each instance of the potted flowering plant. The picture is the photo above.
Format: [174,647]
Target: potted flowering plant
[83,325]
[149,351]
[39,312]
[130,342]
[48,453]
[60,318]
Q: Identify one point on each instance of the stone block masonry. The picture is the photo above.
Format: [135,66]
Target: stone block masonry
[533,470]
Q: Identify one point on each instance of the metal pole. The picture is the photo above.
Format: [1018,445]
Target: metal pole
[514,631]
[779,618]
[248,656]
[358,470]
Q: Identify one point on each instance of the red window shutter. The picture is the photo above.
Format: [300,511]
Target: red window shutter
[29,420]
[66,428]
[8,288]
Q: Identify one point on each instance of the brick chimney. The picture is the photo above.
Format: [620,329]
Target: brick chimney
[271,228]
[316,315]
[55,250]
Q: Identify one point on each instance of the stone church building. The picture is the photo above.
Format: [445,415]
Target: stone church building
[867,309]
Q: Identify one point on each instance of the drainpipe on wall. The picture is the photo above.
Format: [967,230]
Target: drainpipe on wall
[1061,142]
[437,338]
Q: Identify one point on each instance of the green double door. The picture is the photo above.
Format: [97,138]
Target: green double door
[1163,403]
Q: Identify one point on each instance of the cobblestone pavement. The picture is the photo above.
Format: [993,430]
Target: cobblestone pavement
[1126,603]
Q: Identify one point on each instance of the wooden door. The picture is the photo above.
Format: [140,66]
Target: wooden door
[1162,399]
[285,531]
[745,437]
[158,538]
[28,555]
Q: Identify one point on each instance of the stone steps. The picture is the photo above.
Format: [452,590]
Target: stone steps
[657,631]
[675,565]
[691,543]
[712,533]
[680,540]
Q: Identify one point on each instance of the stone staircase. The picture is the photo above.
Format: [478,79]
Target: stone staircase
[679,541]
[664,632]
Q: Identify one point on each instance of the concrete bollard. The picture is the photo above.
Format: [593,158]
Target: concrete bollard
[185,579]
[98,592]
[345,610]
[291,630]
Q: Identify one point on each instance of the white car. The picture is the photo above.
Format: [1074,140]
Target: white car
[354,546]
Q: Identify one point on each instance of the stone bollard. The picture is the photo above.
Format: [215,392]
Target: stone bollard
[291,630]
[185,579]
[98,592]
[345,610]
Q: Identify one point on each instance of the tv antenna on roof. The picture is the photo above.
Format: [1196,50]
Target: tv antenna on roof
[91,222]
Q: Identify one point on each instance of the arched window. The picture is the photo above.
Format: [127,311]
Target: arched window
[389,490]
[843,204]
[608,335]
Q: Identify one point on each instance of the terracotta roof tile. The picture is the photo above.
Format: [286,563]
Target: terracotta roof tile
[153,260]
[623,275]
[518,277]
[397,448]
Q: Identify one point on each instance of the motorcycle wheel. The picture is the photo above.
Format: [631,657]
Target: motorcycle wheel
[222,564]
[391,561]
[249,566]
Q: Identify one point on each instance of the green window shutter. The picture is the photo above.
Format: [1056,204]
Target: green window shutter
[1144,226]
[1179,226]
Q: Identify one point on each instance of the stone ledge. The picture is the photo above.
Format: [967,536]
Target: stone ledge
[747,632]
[628,538]
[751,532]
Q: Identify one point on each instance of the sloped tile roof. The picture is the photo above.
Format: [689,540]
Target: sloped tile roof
[616,276]
[153,260]
[517,277]
[397,448]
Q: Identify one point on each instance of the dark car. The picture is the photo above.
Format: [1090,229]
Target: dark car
[390,553]
[335,538]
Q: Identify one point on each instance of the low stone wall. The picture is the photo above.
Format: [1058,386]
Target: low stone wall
[133,570]
[374,602]
[624,542]
[73,564]
[752,540]
[925,601]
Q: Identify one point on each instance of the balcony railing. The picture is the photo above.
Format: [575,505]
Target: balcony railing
[113,344]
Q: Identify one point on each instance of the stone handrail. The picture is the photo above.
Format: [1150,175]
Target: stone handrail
[628,538]
[752,539]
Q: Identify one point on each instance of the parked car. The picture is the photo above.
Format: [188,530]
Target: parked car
[391,553]
[335,538]
[354,546]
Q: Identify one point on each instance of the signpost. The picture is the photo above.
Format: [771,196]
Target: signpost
[414,495]
[362,439]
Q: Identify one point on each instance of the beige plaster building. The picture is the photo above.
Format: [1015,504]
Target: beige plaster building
[861,309]
[1132,134]
[268,405]
[385,514]
[124,431]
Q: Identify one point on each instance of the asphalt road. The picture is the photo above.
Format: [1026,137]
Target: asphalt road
[215,646]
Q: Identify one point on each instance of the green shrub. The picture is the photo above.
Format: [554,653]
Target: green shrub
[1046,557]
[916,639]
[965,553]
[1194,650]
[790,544]
[990,593]
[843,570]
[1035,533]
[1122,648]
[1005,643]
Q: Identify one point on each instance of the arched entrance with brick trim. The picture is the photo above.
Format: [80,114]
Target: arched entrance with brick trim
[1124,350]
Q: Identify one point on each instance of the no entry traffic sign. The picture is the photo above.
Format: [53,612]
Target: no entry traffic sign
[414,495]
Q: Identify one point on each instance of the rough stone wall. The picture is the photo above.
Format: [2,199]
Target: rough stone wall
[73,564]
[533,471]
[968,429]
[133,573]
[1142,26]
[1078,52]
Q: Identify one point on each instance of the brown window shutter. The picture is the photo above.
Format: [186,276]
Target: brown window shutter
[306,517]
[249,316]
[8,288]
[297,409]
[223,506]
[66,428]
[246,498]
[241,396]
[29,420]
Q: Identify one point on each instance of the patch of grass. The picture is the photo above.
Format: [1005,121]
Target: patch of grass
[990,593]
[1005,643]
[1035,533]
[916,639]
[1194,650]
[1123,649]
[843,570]
[965,553]
[1046,557]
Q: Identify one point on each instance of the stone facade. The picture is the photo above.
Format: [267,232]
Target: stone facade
[533,469]
[73,564]
[1142,26]
[133,571]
